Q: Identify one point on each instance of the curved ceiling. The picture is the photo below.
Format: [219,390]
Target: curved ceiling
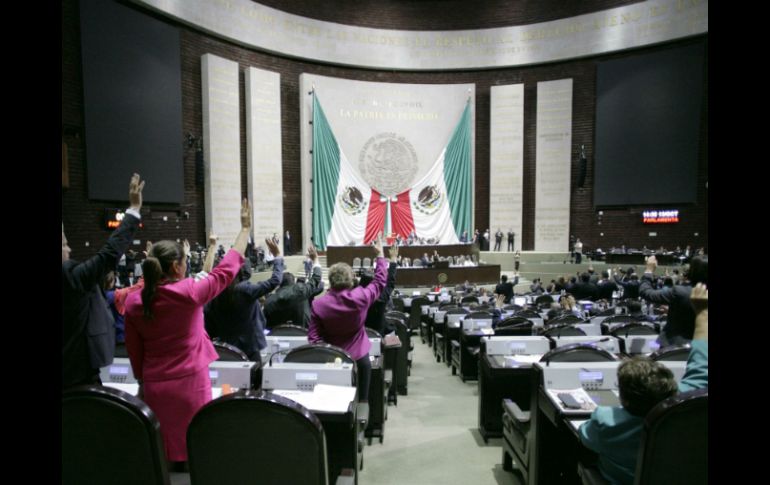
[440,14]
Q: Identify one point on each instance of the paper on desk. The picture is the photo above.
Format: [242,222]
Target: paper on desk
[324,398]
[580,394]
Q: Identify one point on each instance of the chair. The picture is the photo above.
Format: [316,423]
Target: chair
[357,265]
[578,353]
[528,314]
[565,330]
[416,319]
[543,301]
[366,264]
[288,330]
[469,299]
[110,436]
[672,353]
[398,304]
[566,319]
[674,447]
[514,326]
[224,444]
[403,355]
[634,328]
[319,354]
[229,353]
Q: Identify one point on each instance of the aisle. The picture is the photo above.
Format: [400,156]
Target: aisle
[431,437]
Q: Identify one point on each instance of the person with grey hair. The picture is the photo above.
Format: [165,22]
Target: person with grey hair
[338,316]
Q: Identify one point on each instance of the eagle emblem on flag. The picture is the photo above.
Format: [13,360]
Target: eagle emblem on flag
[429,200]
[351,200]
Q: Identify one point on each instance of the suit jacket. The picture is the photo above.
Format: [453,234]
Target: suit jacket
[174,343]
[606,288]
[507,289]
[84,309]
[292,302]
[681,316]
[338,317]
[375,317]
[615,434]
[240,321]
[584,291]
[630,288]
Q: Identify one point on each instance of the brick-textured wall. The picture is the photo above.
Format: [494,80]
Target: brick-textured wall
[82,218]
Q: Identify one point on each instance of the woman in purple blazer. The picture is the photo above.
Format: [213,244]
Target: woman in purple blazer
[338,317]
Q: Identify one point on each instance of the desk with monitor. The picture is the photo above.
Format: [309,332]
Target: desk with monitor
[505,372]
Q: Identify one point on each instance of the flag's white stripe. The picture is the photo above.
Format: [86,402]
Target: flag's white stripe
[346,227]
[433,223]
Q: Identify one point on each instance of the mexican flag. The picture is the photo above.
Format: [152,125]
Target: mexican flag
[346,210]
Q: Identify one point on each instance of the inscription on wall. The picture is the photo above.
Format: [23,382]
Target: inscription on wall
[506,161]
[552,165]
[221,147]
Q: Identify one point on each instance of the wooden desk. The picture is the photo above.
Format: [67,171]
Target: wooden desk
[413,277]
[345,254]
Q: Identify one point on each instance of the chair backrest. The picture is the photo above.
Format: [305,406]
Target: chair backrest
[543,301]
[619,319]
[565,330]
[528,314]
[674,446]
[230,435]
[634,328]
[399,315]
[578,353]
[672,353]
[566,319]
[514,326]
[321,354]
[288,330]
[514,320]
[356,262]
[606,313]
[398,304]
[229,353]
[107,433]
[469,299]
[367,263]
[372,333]
[417,263]
[479,315]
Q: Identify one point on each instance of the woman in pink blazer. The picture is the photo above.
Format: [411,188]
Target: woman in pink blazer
[168,347]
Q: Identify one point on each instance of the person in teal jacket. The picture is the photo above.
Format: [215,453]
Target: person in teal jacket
[615,433]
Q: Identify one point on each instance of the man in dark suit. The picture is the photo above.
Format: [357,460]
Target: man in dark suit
[606,287]
[630,286]
[584,289]
[498,239]
[291,301]
[375,316]
[505,287]
[85,312]
[510,239]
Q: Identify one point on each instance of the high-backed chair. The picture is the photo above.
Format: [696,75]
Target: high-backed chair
[566,319]
[528,313]
[440,329]
[403,355]
[516,423]
[366,264]
[672,352]
[230,436]
[580,352]
[398,304]
[514,326]
[416,318]
[674,447]
[357,265]
[318,354]
[543,301]
[562,330]
[674,444]
[634,328]
[110,436]
[469,299]
[229,353]
[288,330]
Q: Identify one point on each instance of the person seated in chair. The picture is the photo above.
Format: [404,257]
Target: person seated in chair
[615,433]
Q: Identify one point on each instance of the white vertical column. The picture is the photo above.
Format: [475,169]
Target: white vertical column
[221,147]
[552,176]
[263,152]
[506,160]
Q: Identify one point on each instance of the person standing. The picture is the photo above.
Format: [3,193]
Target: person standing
[167,345]
[516,261]
[578,251]
[287,244]
[498,239]
[511,235]
[338,316]
[88,333]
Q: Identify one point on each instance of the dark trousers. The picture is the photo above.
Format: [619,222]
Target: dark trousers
[578,258]
[497,245]
[510,245]
[364,377]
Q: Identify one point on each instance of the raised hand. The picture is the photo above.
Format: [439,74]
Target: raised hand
[186,247]
[273,247]
[212,238]
[699,297]
[651,264]
[393,252]
[135,192]
[312,253]
[378,246]
[245,214]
